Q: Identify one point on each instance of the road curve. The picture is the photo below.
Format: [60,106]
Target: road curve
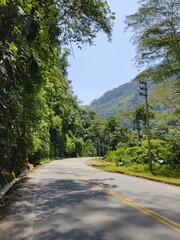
[68,200]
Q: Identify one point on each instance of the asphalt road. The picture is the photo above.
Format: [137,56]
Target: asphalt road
[67,200]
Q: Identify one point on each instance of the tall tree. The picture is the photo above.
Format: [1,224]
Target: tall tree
[156,33]
[113,133]
[139,119]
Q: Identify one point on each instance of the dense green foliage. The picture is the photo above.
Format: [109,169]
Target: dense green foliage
[139,119]
[39,116]
[156,34]
[163,152]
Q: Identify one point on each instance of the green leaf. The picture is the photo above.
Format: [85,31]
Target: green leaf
[13,47]
[3,2]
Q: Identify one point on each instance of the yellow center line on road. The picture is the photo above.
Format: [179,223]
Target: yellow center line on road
[171,224]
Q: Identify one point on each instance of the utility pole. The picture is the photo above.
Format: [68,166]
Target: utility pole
[145,94]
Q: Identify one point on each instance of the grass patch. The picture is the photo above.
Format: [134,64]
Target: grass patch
[161,173]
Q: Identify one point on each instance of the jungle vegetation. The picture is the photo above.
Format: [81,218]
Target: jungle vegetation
[40,118]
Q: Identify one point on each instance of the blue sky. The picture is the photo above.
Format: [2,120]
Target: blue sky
[97,69]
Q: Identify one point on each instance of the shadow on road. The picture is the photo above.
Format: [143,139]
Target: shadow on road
[72,209]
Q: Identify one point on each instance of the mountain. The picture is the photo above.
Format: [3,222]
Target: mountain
[164,99]
[120,99]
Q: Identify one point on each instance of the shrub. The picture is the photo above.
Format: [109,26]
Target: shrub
[163,152]
[174,147]
[160,150]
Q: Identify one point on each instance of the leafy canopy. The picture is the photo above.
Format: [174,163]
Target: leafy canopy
[156,33]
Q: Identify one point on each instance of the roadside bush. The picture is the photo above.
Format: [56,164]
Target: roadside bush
[125,156]
[113,157]
[174,148]
[162,153]
[137,154]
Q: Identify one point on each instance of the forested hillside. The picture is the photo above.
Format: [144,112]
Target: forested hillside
[123,98]
[122,101]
